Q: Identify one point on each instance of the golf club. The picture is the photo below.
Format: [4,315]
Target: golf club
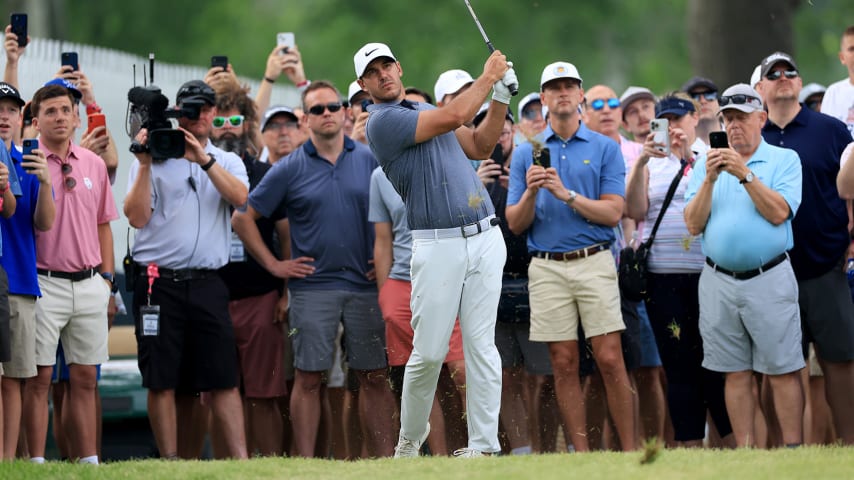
[514,89]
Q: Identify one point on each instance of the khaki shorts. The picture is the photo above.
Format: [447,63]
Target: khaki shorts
[75,312]
[23,327]
[562,293]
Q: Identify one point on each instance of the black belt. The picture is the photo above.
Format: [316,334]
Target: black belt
[580,253]
[73,276]
[179,275]
[747,274]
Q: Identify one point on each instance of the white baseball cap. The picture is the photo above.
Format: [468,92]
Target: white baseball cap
[531,97]
[451,82]
[810,90]
[754,77]
[369,53]
[559,70]
[353,90]
[741,96]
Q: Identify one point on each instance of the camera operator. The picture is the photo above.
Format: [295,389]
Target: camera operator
[182,210]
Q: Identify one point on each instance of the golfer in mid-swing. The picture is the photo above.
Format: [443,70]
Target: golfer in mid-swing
[457,254]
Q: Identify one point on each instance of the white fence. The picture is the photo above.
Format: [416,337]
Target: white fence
[112,75]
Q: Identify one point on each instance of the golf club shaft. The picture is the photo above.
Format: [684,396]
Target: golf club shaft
[514,89]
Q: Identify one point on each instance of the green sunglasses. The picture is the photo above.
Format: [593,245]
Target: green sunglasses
[234,121]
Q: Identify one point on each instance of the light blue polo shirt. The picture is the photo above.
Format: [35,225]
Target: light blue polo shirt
[589,163]
[737,237]
[434,178]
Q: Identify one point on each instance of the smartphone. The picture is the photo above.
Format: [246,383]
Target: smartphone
[286,40]
[659,127]
[96,120]
[19,27]
[219,61]
[545,158]
[365,104]
[718,140]
[29,144]
[70,58]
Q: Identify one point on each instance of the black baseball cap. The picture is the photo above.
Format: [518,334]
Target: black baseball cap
[196,90]
[9,91]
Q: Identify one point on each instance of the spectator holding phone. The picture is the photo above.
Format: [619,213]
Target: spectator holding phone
[570,210]
[35,213]
[282,59]
[71,261]
[675,262]
[742,200]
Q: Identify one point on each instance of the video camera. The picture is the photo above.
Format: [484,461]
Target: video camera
[149,109]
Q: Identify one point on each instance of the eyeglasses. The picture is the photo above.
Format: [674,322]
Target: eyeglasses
[69,181]
[708,96]
[740,99]
[599,104]
[776,74]
[234,121]
[281,125]
[319,109]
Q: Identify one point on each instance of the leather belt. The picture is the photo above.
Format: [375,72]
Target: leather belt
[73,276]
[748,274]
[566,256]
[464,231]
[180,275]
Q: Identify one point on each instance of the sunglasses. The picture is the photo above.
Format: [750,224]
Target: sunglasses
[599,104]
[532,113]
[814,105]
[775,75]
[708,96]
[234,121]
[740,99]
[319,109]
[280,125]
[69,181]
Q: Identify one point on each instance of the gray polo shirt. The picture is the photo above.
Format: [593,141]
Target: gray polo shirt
[188,228]
[434,178]
[387,207]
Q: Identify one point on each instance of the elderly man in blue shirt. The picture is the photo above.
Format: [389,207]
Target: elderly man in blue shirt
[742,200]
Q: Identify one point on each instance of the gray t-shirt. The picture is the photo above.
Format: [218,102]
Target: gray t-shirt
[434,178]
[386,206]
[190,225]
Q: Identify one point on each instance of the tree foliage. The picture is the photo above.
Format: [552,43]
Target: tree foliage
[616,42]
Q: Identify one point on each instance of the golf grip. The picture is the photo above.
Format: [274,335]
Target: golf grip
[514,89]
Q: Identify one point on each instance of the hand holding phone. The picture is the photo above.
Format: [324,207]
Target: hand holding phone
[286,41]
[219,61]
[661,128]
[19,27]
[96,120]
[544,159]
[70,59]
[29,144]
[718,140]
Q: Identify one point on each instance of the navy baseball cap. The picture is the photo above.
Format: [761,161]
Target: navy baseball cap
[673,106]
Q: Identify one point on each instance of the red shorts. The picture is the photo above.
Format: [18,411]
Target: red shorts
[260,345]
[394,304]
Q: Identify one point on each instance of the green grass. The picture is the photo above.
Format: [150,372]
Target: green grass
[804,463]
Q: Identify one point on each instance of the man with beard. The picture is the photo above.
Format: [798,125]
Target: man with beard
[254,293]
[181,207]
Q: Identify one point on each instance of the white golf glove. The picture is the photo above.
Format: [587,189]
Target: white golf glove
[501,89]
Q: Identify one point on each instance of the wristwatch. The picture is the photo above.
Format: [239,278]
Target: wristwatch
[108,276]
[571,198]
[747,178]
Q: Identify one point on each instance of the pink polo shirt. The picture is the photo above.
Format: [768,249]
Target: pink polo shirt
[72,244]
